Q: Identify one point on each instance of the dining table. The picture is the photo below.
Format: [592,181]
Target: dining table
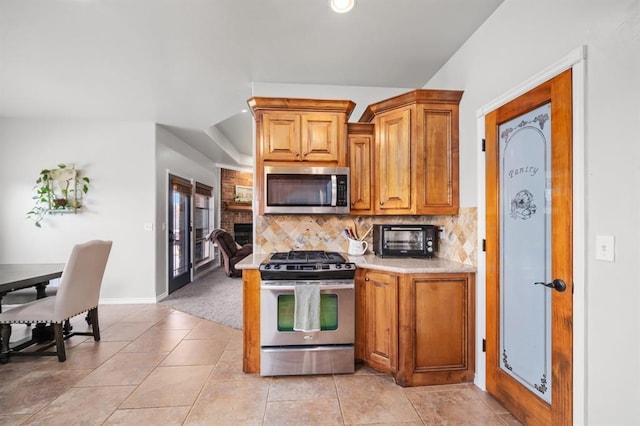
[17,276]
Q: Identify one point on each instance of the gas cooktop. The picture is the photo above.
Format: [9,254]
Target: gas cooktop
[307,264]
[307,256]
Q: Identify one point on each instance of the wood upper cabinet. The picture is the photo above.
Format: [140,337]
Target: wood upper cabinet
[438,166]
[392,160]
[360,140]
[281,136]
[290,136]
[307,132]
[416,153]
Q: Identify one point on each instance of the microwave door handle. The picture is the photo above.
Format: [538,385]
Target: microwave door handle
[334,190]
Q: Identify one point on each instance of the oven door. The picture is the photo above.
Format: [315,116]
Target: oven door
[337,320]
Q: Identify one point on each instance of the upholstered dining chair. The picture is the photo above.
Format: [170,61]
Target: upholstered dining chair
[78,292]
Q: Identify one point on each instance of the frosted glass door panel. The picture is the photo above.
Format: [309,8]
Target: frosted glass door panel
[525,249]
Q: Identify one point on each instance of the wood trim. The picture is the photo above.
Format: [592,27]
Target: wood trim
[290,104]
[181,185]
[251,321]
[360,128]
[562,236]
[203,189]
[409,98]
[237,207]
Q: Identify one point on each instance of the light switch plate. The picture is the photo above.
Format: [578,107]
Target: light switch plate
[605,247]
[148,226]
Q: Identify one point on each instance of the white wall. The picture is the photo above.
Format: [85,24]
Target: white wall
[127,164]
[119,159]
[519,40]
[174,156]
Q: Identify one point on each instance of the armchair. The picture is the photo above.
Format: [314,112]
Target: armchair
[231,254]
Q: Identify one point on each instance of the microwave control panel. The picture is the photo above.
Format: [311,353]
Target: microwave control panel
[343,190]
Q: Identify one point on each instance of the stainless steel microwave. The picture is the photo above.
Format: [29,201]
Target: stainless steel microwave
[306,190]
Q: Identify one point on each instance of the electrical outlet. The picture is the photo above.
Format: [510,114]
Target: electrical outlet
[605,247]
[148,226]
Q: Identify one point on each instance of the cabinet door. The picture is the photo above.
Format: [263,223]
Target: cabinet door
[439,308]
[393,163]
[320,137]
[438,166]
[360,168]
[281,136]
[381,314]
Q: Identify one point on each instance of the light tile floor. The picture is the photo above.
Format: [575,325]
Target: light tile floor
[158,366]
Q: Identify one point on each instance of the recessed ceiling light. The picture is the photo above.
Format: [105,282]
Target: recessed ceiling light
[244,110]
[342,6]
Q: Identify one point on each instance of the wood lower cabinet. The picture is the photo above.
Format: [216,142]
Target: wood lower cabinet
[437,323]
[419,327]
[380,320]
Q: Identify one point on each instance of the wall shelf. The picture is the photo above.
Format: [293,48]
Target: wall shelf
[238,207]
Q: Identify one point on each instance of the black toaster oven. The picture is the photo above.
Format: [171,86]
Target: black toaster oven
[405,240]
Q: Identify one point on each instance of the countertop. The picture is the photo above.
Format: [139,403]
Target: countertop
[389,264]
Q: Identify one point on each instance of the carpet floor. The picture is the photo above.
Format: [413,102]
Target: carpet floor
[212,296]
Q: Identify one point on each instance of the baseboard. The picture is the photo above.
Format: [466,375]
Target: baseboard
[127,301]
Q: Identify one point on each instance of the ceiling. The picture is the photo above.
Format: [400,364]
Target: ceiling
[189,65]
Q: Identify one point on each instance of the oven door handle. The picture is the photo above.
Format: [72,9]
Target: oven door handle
[322,287]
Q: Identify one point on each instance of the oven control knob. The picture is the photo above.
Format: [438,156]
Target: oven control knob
[338,266]
[276,266]
[267,266]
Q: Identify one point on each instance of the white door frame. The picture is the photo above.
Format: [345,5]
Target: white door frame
[576,60]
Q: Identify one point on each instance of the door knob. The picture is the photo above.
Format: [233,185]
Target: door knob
[558,284]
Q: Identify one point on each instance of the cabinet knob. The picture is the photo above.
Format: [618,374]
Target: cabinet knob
[304,154]
[381,203]
[297,154]
[366,279]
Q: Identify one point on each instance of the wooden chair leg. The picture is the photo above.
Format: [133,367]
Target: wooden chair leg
[59,338]
[5,335]
[95,326]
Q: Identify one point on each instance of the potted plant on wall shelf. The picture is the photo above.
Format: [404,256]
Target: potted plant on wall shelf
[58,190]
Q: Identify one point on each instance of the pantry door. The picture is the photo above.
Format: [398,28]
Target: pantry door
[529,254]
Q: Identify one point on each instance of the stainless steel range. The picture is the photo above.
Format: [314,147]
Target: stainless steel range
[317,283]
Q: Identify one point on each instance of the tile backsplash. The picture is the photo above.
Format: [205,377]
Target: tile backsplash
[326,232]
